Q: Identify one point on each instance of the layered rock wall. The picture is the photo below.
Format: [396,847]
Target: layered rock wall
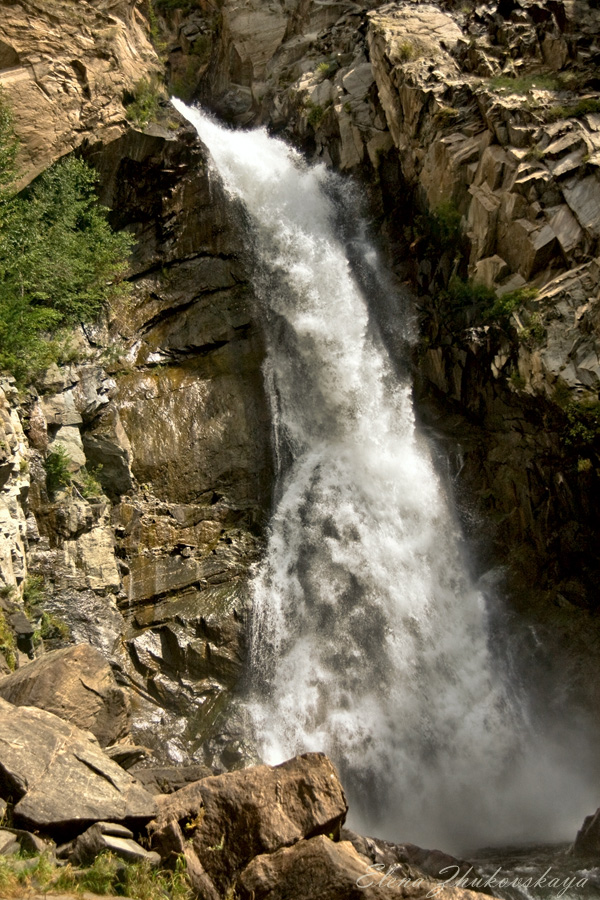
[475,131]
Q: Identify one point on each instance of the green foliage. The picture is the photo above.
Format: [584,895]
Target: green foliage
[316,114]
[144,105]
[186,6]
[107,875]
[446,115]
[440,228]
[524,84]
[156,37]
[8,645]
[465,294]
[407,51]
[9,145]
[533,334]
[504,306]
[576,111]
[327,68]
[56,465]
[582,432]
[60,261]
[34,594]
[185,83]
[52,628]
[517,381]
[88,483]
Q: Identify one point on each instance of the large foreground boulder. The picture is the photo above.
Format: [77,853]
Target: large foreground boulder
[321,869]
[76,684]
[234,817]
[59,778]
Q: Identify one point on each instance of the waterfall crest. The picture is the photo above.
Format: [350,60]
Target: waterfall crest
[369,642]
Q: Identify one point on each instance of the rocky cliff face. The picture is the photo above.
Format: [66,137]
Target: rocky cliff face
[68,70]
[144,552]
[475,130]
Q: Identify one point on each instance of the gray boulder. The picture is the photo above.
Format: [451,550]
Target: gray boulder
[113,837]
[59,778]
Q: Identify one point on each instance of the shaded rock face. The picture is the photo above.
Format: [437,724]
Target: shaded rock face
[77,685]
[14,490]
[58,778]
[587,841]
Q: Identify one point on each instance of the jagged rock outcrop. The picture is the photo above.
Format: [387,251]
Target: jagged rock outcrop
[109,837]
[68,69]
[587,841]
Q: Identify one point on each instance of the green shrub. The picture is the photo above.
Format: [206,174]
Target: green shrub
[407,51]
[9,145]
[34,594]
[57,465]
[504,306]
[53,628]
[576,111]
[533,334]
[440,228]
[464,294]
[60,262]
[8,644]
[185,6]
[88,483]
[524,84]
[143,107]
[327,68]
[316,114]
[582,431]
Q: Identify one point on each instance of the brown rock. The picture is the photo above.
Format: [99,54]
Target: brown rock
[240,815]
[320,869]
[59,779]
[75,684]
[66,69]
[168,779]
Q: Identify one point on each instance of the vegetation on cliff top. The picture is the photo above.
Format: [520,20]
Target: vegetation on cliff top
[60,261]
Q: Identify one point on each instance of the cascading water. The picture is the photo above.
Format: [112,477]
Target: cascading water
[369,643]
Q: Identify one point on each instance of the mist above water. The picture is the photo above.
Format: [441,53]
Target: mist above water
[369,642]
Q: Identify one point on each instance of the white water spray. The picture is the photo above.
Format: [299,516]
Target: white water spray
[369,643]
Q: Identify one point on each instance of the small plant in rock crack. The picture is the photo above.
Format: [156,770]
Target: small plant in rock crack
[57,465]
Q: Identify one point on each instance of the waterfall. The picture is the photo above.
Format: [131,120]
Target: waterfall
[369,642]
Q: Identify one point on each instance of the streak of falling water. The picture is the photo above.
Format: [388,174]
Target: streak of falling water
[369,642]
